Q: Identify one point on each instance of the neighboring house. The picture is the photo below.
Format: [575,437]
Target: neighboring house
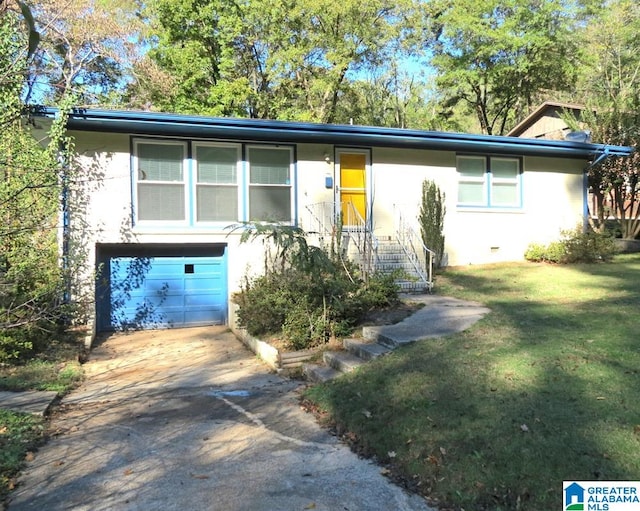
[165,189]
[547,121]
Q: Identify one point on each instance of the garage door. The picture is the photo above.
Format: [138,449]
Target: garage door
[164,292]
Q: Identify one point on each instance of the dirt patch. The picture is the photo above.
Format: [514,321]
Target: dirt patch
[391,315]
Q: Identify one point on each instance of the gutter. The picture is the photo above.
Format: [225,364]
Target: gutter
[260,130]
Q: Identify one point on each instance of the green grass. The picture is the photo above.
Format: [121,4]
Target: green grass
[19,434]
[544,389]
[56,368]
[42,375]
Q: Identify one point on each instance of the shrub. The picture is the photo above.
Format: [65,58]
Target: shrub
[574,246]
[536,252]
[309,296]
[431,219]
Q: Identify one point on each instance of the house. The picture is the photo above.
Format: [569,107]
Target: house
[547,121]
[161,191]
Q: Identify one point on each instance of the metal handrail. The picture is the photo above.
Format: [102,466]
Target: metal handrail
[420,256]
[324,220]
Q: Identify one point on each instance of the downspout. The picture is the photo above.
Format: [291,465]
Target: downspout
[585,186]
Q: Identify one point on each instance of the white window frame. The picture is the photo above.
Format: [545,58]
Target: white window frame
[291,184]
[488,180]
[136,171]
[193,199]
[190,183]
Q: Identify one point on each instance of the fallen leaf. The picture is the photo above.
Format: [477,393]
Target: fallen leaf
[58,463]
[3,430]
[433,460]
[311,506]
[128,472]
[391,454]
[29,456]
[385,471]
[524,428]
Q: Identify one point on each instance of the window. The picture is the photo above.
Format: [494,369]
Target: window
[217,182]
[269,184]
[489,181]
[161,184]
[201,184]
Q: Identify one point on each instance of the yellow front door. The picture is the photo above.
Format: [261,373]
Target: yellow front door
[353,189]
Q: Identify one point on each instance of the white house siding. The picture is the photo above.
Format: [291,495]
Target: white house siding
[552,200]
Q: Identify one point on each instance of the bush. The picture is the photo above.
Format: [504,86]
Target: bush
[431,219]
[310,296]
[575,246]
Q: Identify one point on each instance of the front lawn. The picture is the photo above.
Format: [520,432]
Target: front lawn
[544,389]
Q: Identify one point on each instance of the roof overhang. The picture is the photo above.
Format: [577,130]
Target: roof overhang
[188,126]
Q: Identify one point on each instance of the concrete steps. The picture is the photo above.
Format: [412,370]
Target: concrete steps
[356,353]
[392,258]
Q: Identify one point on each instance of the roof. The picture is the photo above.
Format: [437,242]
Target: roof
[539,112]
[175,125]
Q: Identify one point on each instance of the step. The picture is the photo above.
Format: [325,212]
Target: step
[342,361]
[365,350]
[387,267]
[408,286]
[319,374]
[373,334]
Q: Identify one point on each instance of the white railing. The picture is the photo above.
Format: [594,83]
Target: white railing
[325,222]
[421,257]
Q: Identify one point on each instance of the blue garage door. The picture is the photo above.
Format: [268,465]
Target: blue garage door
[166,292]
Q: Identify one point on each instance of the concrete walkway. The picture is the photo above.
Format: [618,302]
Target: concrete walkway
[190,419]
[440,316]
[36,402]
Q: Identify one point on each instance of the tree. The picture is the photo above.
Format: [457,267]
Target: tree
[87,48]
[286,59]
[611,85]
[31,184]
[499,56]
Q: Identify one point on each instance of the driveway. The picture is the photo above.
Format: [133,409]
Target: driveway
[191,420]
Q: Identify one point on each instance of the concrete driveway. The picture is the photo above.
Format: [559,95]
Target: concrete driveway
[191,420]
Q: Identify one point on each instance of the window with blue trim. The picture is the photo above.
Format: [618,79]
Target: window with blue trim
[207,183]
[489,181]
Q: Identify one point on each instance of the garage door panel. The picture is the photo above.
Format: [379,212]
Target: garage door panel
[161,292]
[199,300]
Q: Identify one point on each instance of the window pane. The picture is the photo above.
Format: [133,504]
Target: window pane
[217,164]
[160,202]
[270,203]
[158,162]
[471,167]
[216,203]
[269,166]
[471,193]
[504,169]
[504,194]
